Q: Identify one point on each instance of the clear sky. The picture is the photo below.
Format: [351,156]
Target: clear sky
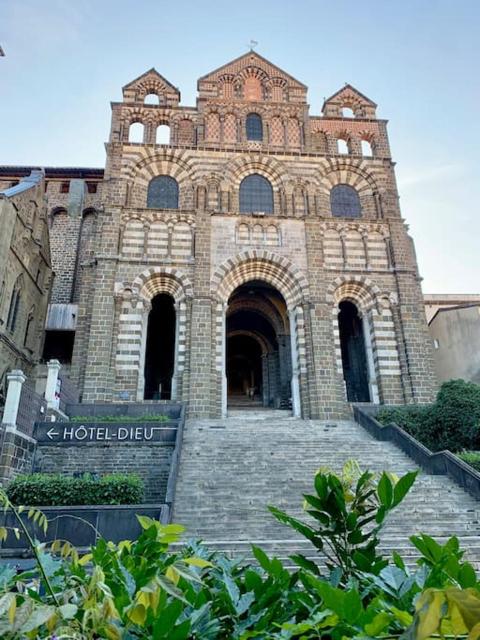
[418,59]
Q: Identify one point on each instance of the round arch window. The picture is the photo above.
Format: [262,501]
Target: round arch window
[345,202]
[162,193]
[256,194]
[254,127]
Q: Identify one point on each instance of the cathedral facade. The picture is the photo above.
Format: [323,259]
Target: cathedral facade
[240,251]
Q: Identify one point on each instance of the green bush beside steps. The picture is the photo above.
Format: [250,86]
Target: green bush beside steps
[452,422]
[55,490]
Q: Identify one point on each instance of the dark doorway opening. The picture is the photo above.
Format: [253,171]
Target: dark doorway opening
[354,356]
[244,366]
[58,345]
[258,356]
[160,349]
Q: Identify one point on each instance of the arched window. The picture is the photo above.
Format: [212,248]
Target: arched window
[347,112]
[151,98]
[163,134]
[254,127]
[367,148]
[344,202]
[162,193]
[256,194]
[342,146]
[135,132]
[14,306]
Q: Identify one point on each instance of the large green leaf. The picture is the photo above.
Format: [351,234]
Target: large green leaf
[403,486]
[385,491]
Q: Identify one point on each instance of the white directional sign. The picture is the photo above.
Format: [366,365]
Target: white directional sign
[75,434]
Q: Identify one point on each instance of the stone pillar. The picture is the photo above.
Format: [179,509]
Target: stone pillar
[15,378]
[53,369]
[146,307]
[17,448]
[223,365]
[372,376]
[296,408]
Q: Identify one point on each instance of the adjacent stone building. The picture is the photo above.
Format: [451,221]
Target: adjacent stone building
[455,332]
[239,251]
[25,274]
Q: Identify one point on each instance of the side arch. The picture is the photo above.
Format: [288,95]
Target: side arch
[157,280]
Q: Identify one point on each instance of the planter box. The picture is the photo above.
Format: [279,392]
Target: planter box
[82,525]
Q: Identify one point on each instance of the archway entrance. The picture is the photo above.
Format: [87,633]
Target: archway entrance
[258,351]
[160,349]
[354,356]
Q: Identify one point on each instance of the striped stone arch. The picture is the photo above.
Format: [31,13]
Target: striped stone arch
[356,173]
[157,280]
[379,328]
[276,270]
[358,289]
[154,162]
[269,167]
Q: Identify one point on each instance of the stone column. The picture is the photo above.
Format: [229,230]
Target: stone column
[146,307]
[372,376]
[53,369]
[15,378]
[17,448]
[296,408]
[224,360]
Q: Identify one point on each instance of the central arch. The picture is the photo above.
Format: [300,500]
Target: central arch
[258,348]
[275,281]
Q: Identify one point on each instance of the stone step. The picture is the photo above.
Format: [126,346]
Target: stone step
[231,469]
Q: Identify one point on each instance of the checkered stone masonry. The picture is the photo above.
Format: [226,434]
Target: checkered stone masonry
[202,251]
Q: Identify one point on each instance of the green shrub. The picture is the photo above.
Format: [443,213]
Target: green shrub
[148,417]
[471,457]
[452,422]
[58,490]
[147,589]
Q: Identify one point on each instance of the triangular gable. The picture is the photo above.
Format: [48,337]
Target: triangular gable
[348,89]
[147,75]
[251,58]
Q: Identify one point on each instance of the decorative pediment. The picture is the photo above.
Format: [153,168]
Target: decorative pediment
[351,98]
[252,78]
[151,82]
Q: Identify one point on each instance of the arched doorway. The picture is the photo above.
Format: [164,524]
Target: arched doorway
[258,348]
[160,349]
[354,355]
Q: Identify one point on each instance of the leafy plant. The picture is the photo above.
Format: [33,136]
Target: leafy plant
[146,589]
[471,457]
[348,513]
[39,489]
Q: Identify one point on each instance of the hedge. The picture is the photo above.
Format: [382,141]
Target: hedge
[148,417]
[452,422]
[471,457]
[42,489]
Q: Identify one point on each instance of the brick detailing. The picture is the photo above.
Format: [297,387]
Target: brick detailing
[260,265]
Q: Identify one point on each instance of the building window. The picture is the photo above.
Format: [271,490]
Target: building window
[92,187]
[256,195]
[345,202]
[162,193]
[65,187]
[13,310]
[436,344]
[254,127]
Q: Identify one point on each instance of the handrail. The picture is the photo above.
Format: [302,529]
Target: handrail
[173,473]
[438,463]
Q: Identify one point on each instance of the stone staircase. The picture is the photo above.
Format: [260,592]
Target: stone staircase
[231,469]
